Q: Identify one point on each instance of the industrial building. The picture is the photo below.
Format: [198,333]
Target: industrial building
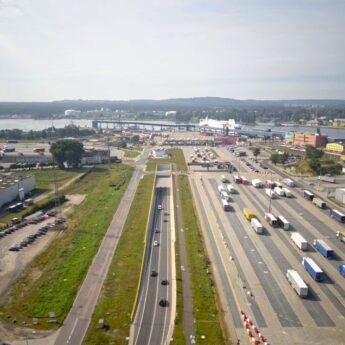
[335,147]
[312,139]
[340,195]
[339,123]
[10,185]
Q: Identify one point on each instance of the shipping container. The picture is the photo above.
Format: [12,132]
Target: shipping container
[297,283]
[248,214]
[308,195]
[324,248]
[283,223]
[337,215]
[319,203]
[299,240]
[312,268]
[256,225]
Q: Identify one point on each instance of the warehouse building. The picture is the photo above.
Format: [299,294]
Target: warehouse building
[315,140]
[340,195]
[10,185]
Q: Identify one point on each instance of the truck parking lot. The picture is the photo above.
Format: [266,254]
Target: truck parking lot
[251,266]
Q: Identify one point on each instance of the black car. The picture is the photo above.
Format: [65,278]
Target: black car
[163,302]
[154,273]
[165,282]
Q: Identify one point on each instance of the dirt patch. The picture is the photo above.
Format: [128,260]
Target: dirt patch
[75,199]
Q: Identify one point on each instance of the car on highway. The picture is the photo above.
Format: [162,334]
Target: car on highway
[15,248]
[154,273]
[157,231]
[163,302]
[159,207]
[165,282]
[155,243]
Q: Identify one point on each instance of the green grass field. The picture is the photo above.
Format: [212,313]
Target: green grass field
[206,316]
[51,281]
[176,158]
[120,288]
[129,153]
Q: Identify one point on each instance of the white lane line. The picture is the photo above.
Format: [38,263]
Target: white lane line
[73,328]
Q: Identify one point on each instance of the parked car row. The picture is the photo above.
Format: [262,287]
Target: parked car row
[32,238]
[33,219]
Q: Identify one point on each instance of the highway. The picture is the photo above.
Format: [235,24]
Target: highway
[152,322]
[250,269]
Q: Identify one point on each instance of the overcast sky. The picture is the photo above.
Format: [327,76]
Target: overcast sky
[127,49]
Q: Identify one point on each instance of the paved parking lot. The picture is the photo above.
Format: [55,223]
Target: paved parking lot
[250,269]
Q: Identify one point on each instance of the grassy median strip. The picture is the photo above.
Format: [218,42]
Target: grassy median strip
[51,281]
[120,287]
[176,158]
[206,316]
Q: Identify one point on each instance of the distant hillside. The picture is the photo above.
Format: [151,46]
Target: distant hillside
[180,104]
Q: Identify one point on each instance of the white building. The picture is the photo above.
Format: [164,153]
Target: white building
[71,112]
[171,112]
[340,195]
[216,124]
[10,185]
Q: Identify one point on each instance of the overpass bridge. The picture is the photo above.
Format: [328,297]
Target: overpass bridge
[143,124]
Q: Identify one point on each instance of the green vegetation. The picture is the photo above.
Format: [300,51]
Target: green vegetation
[131,153]
[178,335]
[45,178]
[67,152]
[51,281]
[120,288]
[206,316]
[176,158]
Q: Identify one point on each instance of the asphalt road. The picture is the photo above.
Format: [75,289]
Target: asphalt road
[152,321]
[250,268]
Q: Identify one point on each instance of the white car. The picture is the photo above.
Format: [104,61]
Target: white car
[155,243]
[160,207]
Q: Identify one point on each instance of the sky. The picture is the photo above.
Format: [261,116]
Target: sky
[157,49]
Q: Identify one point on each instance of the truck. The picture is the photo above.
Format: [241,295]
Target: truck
[299,240]
[329,179]
[226,206]
[39,149]
[341,236]
[270,184]
[224,179]
[287,192]
[297,283]
[324,248]
[224,195]
[257,183]
[248,214]
[283,223]
[230,189]
[279,191]
[319,203]
[256,225]
[312,268]
[243,180]
[340,217]
[237,179]
[221,188]
[289,182]
[271,219]
[9,149]
[308,195]
[270,193]
[342,269]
